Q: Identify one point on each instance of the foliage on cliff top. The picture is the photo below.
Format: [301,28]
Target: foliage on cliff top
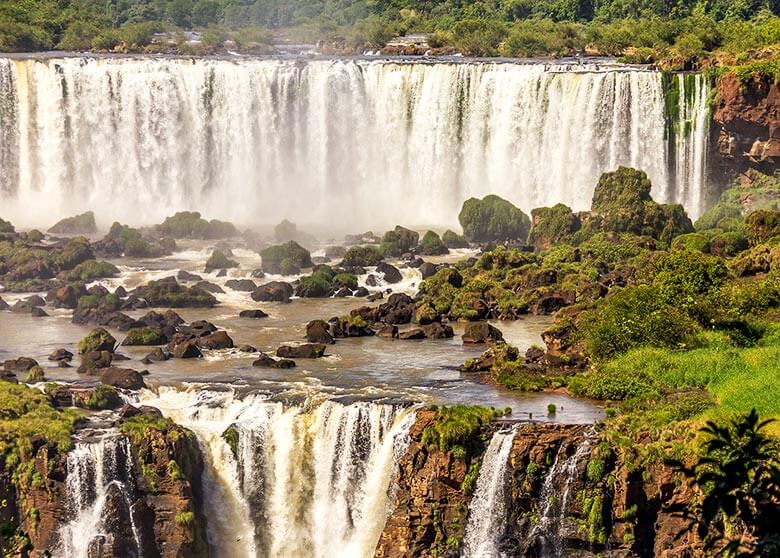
[458,429]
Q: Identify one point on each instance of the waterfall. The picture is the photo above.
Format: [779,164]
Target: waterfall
[310,478]
[487,518]
[99,498]
[365,143]
[691,132]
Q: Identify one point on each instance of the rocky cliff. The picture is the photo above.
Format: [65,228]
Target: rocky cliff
[746,114]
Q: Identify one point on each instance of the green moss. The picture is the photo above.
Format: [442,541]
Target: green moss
[470,480]
[362,256]
[295,256]
[398,241]
[692,241]
[231,436]
[317,285]
[184,518]
[35,236]
[79,224]
[458,428]
[136,427]
[347,280]
[90,270]
[97,340]
[169,294]
[728,244]
[452,239]
[493,219]
[189,224]
[144,336]
[174,471]
[761,225]
[432,245]
[218,260]
[34,375]
[104,397]
[552,226]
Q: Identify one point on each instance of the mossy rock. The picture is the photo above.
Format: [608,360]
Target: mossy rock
[97,340]
[76,251]
[317,285]
[362,256]
[104,397]
[729,244]
[284,258]
[144,336]
[218,260]
[35,374]
[190,224]
[167,293]
[552,226]
[432,245]
[398,241]
[90,270]
[123,240]
[458,429]
[79,224]
[762,225]
[692,241]
[493,219]
[6,227]
[35,236]
[453,240]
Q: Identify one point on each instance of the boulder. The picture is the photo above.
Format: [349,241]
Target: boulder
[61,355]
[67,297]
[38,312]
[275,291]
[428,269]
[22,307]
[187,276]
[3,304]
[481,332]
[94,360]
[438,330]
[317,332]
[157,355]
[141,336]
[124,378]
[390,272]
[415,333]
[246,348]
[254,314]
[216,340]
[97,340]
[243,285]
[209,287]
[388,331]
[267,361]
[306,350]
[79,224]
[19,365]
[186,349]
[359,292]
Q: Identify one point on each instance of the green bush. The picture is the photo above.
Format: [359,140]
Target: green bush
[144,336]
[493,219]
[362,256]
[762,225]
[729,244]
[552,226]
[693,242]
[398,241]
[432,245]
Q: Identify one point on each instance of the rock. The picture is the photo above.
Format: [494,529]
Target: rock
[98,291]
[372,280]
[254,314]
[215,341]
[257,274]
[68,296]
[398,309]
[93,360]
[306,350]
[187,276]
[415,333]
[243,285]
[167,322]
[343,292]
[3,304]
[186,349]
[61,355]
[361,292]
[79,224]
[415,262]
[317,332]
[266,361]
[157,355]
[428,269]
[374,297]
[437,330]
[218,260]
[141,336]
[209,287]
[275,291]
[390,273]
[22,307]
[285,259]
[481,332]
[168,293]
[128,411]
[493,219]
[38,313]
[120,292]
[123,378]
[20,365]
[388,332]
[97,340]
[245,348]
[335,252]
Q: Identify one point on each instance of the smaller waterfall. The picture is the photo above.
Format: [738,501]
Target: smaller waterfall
[488,509]
[691,135]
[562,474]
[99,495]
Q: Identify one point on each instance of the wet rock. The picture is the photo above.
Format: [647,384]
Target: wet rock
[481,332]
[335,252]
[98,291]
[215,341]
[78,224]
[245,348]
[438,330]
[128,411]
[372,280]
[20,365]
[257,274]
[3,304]
[142,336]
[361,292]
[198,328]
[94,360]
[390,272]
[97,340]
[243,285]
[398,309]
[415,333]
[38,313]
[209,287]
[61,355]
[254,314]
[167,322]
[186,349]
[168,293]
[375,296]
[218,260]
[306,350]
[275,291]
[342,293]
[157,355]
[415,263]
[187,276]
[428,269]
[124,378]
[388,332]
[68,296]
[267,361]
[22,307]
[317,331]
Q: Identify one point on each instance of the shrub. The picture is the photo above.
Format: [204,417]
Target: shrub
[493,219]
[762,225]
[104,397]
[551,226]
[728,244]
[693,242]
[432,245]
[398,241]
[683,277]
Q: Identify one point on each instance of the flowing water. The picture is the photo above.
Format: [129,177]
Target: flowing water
[100,486]
[304,477]
[487,519]
[347,142]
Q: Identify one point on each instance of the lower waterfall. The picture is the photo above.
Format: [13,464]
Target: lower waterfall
[99,498]
[310,478]
[487,517]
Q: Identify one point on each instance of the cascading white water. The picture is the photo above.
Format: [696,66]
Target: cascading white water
[352,142]
[691,131]
[311,479]
[98,470]
[487,516]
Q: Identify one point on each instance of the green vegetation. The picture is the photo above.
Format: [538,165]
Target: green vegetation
[398,241]
[189,224]
[184,518]
[79,224]
[137,427]
[493,219]
[122,240]
[285,259]
[104,397]
[97,340]
[90,270]
[432,245]
[451,239]
[362,256]
[144,336]
[218,260]
[458,429]
[169,294]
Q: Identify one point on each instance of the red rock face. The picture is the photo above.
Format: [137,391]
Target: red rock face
[747,120]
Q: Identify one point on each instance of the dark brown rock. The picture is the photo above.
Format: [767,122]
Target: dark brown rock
[124,378]
[317,331]
[481,332]
[306,350]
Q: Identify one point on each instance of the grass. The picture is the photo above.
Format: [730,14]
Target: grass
[457,429]
[137,426]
